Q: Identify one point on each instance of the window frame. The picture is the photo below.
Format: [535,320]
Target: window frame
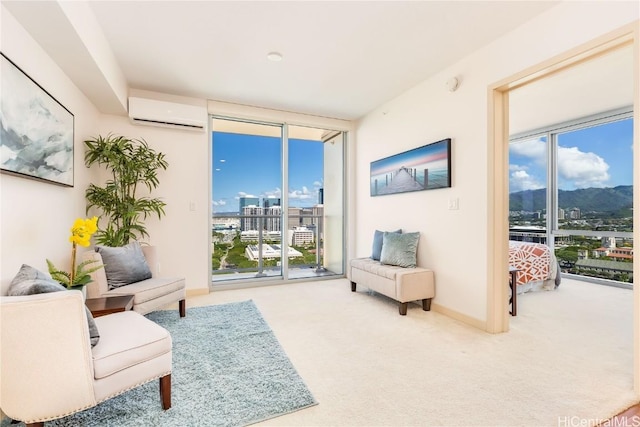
[551,132]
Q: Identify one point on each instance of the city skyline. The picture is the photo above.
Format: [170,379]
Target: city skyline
[250,166]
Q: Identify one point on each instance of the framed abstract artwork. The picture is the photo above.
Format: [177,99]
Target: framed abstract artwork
[36,131]
[423,168]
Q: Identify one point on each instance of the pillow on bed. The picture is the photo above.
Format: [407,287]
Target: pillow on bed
[124,265]
[377,243]
[399,249]
[31,281]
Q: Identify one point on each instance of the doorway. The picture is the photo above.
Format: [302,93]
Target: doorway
[497,315]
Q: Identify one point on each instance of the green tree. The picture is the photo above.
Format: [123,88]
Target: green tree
[568,254]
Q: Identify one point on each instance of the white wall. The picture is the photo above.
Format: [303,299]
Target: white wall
[36,216]
[453,241]
[182,235]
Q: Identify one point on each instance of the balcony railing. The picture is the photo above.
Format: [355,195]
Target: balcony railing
[581,254]
[256,234]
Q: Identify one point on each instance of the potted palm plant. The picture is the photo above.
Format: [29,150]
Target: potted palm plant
[132,164]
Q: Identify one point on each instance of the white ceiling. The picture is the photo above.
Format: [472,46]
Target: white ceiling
[341,58]
[601,84]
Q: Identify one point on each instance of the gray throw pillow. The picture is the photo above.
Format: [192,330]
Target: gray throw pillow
[31,281]
[377,243]
[124,265]
[399,249]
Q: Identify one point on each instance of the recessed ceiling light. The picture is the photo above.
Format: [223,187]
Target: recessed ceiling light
[274,56]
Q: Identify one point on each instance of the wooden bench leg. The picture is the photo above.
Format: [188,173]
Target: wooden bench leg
[165,391]
[183,310]
[403,309]
[353,286]
[426,304]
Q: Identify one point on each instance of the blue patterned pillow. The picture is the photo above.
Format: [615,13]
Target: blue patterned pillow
[377,243]
[399,249]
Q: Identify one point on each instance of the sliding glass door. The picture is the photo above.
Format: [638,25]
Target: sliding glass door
[315,203]
[258,230]
[247,177]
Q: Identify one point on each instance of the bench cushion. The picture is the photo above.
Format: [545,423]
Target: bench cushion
[375,267]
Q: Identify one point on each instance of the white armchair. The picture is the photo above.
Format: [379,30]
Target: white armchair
[49,369]
[149,295]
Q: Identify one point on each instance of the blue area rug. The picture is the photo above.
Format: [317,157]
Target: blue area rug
[228,370]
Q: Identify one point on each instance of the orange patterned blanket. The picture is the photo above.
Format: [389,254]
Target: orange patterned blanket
[532,259]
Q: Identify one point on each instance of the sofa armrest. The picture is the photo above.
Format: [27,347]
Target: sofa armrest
[47,367]
[98,286]
[151,255]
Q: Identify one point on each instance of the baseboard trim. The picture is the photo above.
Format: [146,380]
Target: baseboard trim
[471,321]
[196,292]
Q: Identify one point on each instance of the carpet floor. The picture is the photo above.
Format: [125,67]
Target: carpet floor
[228,370]
[567,360]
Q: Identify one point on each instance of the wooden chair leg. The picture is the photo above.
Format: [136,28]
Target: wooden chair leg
[403,309]
[426,304]
[353,286]
[183,309]
[38,424]
[165,391]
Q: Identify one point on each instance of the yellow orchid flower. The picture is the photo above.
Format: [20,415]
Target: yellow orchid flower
[82,230]
[81,233]
[92,224]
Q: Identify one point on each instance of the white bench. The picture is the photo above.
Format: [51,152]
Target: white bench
[402,284]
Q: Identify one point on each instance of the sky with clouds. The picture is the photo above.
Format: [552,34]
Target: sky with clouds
[600,156]
[250,166]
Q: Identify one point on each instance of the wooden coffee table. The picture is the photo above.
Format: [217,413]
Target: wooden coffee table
[107,305]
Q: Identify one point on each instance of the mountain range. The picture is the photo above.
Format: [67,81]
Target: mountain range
[610,199]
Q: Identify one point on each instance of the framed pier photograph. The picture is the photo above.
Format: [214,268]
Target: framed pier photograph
[423,168]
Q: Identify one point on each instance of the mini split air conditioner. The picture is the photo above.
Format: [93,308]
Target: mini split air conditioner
[151,112]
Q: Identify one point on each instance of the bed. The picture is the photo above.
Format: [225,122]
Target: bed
[537,265]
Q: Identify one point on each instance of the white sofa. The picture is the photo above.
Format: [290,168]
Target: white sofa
[149,295]
[400,283]
[49,369]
